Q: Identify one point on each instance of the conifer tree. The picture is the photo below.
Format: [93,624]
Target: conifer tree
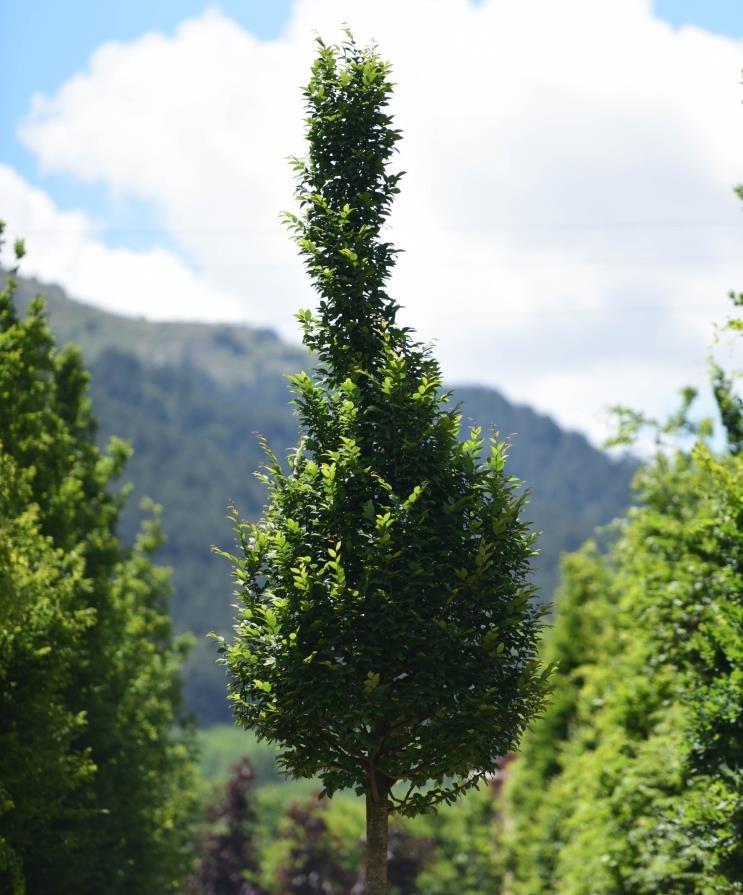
[387,634]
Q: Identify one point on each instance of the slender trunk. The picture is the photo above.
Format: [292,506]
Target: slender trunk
[377,813]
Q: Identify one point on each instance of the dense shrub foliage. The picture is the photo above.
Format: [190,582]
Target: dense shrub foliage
[94,771]
[633,781]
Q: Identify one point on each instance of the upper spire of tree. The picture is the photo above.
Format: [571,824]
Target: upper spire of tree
[345,193]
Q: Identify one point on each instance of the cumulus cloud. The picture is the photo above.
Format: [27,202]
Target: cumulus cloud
[568,221]
[67,248]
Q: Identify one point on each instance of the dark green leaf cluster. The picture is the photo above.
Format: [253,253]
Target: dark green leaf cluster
[633,782]
[94,772]
[387,629]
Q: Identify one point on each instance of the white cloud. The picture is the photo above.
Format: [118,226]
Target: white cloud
[67,248]
[568,221]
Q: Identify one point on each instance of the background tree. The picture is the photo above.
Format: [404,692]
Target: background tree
[95,770]
[585,608]
[387,633]
[633,782]
[229,860]
[40,767]
[313,863]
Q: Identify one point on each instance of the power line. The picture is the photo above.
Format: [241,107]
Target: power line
[492,227]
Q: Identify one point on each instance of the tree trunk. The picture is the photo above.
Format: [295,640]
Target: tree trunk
[377,813]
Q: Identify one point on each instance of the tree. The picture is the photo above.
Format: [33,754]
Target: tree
[632,784]
[313,861]
[95,769]
[536,810]
[40,766]
[229,861]
[387,636]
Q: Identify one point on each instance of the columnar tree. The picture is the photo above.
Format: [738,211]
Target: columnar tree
[94,768]
[41,635]
[387,634]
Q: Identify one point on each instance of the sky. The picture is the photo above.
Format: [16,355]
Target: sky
[568,217]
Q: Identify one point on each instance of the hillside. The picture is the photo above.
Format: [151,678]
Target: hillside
[191,398]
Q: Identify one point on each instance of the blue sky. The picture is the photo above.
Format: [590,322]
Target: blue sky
[44,42]
[720,16]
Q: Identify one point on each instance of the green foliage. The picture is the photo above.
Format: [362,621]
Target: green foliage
[633,781]
[465,854]
[188,397]
[94,774]
[387,630]
[41,765]
[584,605]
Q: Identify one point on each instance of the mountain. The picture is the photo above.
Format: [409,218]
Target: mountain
[191,398]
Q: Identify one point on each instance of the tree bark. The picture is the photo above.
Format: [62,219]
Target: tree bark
[377,814]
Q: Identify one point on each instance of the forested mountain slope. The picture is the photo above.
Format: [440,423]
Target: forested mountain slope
[191,398]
